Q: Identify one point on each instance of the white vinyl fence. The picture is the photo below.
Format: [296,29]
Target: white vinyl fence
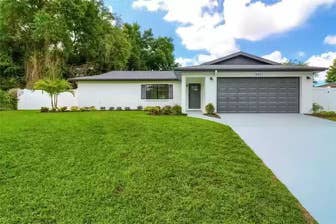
[326,97]
[34,100]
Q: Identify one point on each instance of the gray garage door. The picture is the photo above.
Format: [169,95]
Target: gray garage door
[258,95]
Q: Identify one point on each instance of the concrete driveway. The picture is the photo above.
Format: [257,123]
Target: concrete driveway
[300,150]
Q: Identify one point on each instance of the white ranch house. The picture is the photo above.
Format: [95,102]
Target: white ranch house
[237,83]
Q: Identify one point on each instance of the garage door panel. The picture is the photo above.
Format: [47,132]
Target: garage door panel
[258,95]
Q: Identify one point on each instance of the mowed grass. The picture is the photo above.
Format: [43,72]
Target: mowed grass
[129,167]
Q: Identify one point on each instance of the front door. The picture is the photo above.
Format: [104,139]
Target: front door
[194,96]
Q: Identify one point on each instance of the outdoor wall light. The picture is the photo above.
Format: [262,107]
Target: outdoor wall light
[211,78]
[308,77]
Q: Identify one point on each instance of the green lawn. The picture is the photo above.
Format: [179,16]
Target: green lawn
[128,167]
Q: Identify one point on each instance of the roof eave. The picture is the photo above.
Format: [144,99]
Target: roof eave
[123,79]
[309,69]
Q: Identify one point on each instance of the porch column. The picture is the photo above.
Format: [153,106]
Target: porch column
[183,94]
[210,90]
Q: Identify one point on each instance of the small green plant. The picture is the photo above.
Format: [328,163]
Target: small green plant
[139,108]
[74,109]
[84,109]
[63,109]
[327,113]
[176,110]
[167,110]
[102,108]
[148,108]
[111,108]
[317,108]
[127,108]
[210,109]
[119,108]
[44,109]
[54,87]
[155,110]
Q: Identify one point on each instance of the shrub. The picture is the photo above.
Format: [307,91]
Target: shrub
[53,110]
[327,113]
[44,109]
[155,110]
[317,108]
[119,108]
[92,108]
[176,110]
[139,108]
[111,108]
[74,108]
[210,109]
[127,108]
[7,102]
[63,109]
[13,93]
[166,110]
[148,108]
[84,109]
[102,108]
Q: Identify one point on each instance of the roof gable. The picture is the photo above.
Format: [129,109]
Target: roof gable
[241,58]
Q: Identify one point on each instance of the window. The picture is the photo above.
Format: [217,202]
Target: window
[157,91]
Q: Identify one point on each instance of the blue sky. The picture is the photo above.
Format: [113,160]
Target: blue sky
[205,29]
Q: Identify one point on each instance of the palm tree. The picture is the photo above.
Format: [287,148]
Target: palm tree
[53,87]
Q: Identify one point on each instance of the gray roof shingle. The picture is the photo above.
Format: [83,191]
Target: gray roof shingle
[131,75]
[241,53]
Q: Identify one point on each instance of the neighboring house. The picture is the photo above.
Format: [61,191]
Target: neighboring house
[237,83]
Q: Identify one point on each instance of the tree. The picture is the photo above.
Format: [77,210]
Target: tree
[148,52]
[82,36]
[53,87]
[135,60]
[331,74]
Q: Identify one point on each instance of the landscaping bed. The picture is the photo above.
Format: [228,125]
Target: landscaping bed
[330,115]
[128,167]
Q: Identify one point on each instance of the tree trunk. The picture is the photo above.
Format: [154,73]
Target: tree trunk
[56,100]
[52,101]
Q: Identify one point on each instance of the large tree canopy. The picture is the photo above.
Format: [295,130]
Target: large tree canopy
[79,37]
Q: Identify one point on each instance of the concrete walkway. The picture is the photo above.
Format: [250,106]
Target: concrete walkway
[299,149]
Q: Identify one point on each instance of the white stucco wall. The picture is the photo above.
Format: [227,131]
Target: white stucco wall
[122,94]
[326,97]
[34,100]
[210,94]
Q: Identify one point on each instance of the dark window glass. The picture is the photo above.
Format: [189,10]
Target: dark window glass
[157,91]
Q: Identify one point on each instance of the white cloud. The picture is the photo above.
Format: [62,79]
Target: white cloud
[323,60]
[276,56]
[257,20]
[330,39]
[301,54]
[185,61]
[202,26]
[199,59]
